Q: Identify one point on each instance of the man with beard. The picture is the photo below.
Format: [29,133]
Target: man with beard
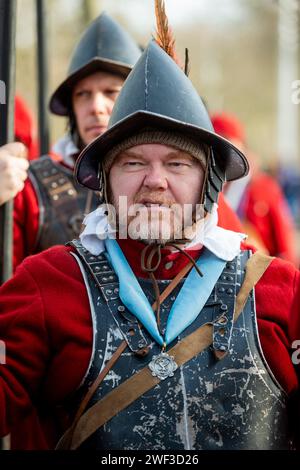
[153,342]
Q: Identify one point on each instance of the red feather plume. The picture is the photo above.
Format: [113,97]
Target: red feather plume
[164,35]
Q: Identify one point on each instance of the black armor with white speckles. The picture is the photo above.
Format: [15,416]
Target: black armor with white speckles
[234,403]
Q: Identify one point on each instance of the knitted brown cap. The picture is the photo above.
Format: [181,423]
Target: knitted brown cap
[173,139]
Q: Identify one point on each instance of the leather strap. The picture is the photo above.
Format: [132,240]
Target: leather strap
[141,382]
[92,390]
[174,283]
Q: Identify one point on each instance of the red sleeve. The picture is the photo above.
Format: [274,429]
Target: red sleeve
[227,217]
[22,331]
[47,333]
[294,324]
[267,209]
[26,223]
[277,297]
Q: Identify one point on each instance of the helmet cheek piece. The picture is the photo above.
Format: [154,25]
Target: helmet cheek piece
[102,185]
[213,182]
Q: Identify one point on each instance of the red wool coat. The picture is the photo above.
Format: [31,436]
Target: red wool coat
[25,127]
[46,324]
[265,208]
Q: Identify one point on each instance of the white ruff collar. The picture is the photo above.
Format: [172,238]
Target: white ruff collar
[225,244]
[66,148]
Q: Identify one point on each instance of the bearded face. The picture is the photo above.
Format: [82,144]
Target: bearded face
[154,189]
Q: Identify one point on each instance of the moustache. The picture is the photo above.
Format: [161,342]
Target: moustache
[154,198]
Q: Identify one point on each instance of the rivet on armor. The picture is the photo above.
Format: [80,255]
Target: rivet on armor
[223,320]
[229,291]
[221,289]
[121,308]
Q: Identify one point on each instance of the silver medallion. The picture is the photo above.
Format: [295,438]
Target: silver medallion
[163,366]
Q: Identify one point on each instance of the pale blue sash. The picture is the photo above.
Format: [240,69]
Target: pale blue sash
[188,304]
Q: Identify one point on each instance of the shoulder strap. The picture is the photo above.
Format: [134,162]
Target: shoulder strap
[255,268]
[130,390]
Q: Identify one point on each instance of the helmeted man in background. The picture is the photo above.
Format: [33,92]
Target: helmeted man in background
[149,341]
[50,209]
[258,198]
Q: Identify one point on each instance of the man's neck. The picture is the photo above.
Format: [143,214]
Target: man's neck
[171,263]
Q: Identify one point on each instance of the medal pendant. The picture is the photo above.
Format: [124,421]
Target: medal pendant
[163,366]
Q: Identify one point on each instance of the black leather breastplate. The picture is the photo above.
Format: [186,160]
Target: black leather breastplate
[234,403]
[62,203]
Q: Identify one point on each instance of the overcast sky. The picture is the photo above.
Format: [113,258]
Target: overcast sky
[141,12]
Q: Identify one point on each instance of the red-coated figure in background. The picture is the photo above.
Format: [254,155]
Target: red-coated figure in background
[258,198]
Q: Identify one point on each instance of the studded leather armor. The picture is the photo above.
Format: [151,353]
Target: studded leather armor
[62,203]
